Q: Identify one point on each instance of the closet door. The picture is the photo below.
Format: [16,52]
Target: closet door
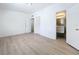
[73,26]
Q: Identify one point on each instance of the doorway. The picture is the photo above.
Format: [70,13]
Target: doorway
[32,24]
[61,25]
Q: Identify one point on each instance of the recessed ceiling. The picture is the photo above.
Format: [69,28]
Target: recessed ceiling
[24,7]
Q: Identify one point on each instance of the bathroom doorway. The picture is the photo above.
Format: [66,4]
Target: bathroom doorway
[61,25]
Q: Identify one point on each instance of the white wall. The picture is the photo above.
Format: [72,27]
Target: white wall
[13,22]
[48,19]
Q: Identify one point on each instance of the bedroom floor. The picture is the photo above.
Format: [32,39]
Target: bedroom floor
[34,44]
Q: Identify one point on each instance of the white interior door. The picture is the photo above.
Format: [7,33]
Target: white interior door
[37,25]
[73,26]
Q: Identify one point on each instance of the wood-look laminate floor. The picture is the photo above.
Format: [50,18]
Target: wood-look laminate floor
[33,44]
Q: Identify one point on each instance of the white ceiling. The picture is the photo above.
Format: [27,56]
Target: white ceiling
[24,7]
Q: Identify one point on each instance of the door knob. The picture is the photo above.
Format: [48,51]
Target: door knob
[77,29]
